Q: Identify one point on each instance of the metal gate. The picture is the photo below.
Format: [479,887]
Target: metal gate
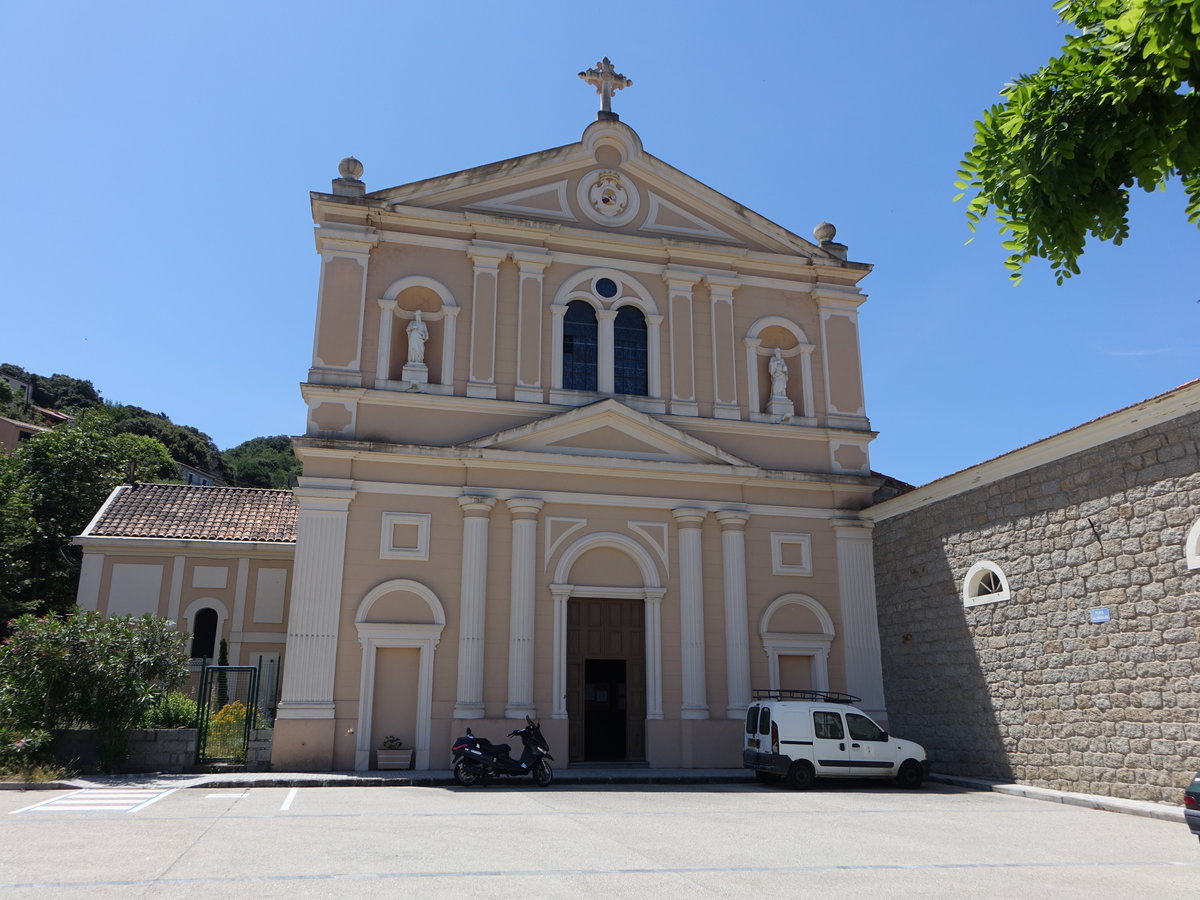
[227,710]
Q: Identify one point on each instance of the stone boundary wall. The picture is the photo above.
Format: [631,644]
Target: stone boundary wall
[171,750]
[1030,689]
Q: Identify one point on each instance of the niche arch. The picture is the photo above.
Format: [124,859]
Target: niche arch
[373,636]
[813,645]
[192,614]
[393,342]
[757,357]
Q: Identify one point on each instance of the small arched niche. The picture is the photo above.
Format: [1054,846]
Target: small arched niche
[797,634]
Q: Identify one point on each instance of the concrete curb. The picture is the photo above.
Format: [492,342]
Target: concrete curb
[1143,808]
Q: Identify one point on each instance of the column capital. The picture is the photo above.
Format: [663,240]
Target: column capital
[561,591]
[733,519]
[523,507]
[557,311]
[486,257]
[654,320]
[389,305]
[605,315]
[722,286]
[689,516]
[476,506]
[681,280]
[852,529]
[531,262]
[655,595]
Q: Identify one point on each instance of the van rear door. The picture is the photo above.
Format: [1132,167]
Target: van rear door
[830,753]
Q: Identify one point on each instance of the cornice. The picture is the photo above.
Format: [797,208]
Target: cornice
[147,546]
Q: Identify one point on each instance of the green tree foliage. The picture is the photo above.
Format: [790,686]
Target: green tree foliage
[50,488]
[1117,108]
[185,444]
[58,392]
[263,462]
[85,670]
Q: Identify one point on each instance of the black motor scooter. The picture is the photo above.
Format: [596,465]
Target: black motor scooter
[478,758]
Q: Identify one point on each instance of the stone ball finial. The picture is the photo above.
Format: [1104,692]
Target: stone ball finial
[824,232]
[350,168]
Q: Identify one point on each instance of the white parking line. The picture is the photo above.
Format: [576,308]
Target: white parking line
[287,803]
[100,800]
[238,796]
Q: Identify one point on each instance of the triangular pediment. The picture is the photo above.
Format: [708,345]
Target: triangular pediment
[565,185]
[610,430]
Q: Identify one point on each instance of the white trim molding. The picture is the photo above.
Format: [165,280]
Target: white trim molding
[974,590]
[778,540]
[420,548]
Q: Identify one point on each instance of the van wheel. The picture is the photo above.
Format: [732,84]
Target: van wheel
[910,775]
[801,775]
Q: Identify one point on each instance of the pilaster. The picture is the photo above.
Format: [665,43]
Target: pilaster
[860,621]
[383,354]
[316,601]
[605,344]
[724,352]
[529,325]
[558,703]
[481,379]
[683,342]
[341,303]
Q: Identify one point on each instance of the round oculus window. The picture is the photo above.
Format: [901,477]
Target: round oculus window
[606,288]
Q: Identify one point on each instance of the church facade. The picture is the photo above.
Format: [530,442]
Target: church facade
[586,441]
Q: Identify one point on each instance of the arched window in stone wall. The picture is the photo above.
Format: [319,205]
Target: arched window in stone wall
[985,582]
[1193,546]
[579,347]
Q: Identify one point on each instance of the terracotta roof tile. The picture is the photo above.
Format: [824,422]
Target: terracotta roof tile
[194,512]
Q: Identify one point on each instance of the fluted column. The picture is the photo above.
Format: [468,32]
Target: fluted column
[691,612]
[860,622]
[521,607]
[737,632]
[472,606]
[315,603]
[562,595]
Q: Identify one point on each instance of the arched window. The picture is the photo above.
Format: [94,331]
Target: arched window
[204,633]
[985,583]
[629,352]
[579,347]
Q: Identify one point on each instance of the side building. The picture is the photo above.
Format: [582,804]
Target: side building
[1040,612]
[215,560]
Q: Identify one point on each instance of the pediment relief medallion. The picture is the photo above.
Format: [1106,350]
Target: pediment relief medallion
[608,198]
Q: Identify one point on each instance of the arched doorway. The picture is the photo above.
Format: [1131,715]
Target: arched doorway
[608,670]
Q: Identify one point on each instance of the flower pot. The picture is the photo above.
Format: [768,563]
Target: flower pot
[393,759]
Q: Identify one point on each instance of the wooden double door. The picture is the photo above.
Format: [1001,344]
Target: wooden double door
[606,679]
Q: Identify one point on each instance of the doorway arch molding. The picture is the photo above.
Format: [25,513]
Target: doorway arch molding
[423,637]
[651,593]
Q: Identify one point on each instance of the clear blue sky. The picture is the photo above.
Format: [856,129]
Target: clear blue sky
[158,157]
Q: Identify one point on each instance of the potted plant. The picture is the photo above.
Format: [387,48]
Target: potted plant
[392,754]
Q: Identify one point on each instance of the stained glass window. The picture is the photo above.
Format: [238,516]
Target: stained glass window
[629,352]
[579,347]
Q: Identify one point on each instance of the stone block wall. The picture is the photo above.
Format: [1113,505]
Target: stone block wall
[1031,689]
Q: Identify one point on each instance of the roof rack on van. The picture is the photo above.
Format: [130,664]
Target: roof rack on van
[811,696]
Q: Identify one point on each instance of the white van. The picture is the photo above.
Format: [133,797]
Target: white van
[802,735]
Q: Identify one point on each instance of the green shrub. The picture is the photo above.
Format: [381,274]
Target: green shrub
[85,670]
[22,751]
[173,710]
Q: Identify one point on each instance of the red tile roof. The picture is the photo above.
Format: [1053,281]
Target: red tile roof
[194,512]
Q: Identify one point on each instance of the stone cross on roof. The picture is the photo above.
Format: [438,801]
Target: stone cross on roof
[606,80]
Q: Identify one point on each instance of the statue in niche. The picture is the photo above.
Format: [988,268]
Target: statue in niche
[779,373]
[418,334]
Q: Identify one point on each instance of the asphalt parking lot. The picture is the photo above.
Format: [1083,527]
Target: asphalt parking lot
[514,840]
